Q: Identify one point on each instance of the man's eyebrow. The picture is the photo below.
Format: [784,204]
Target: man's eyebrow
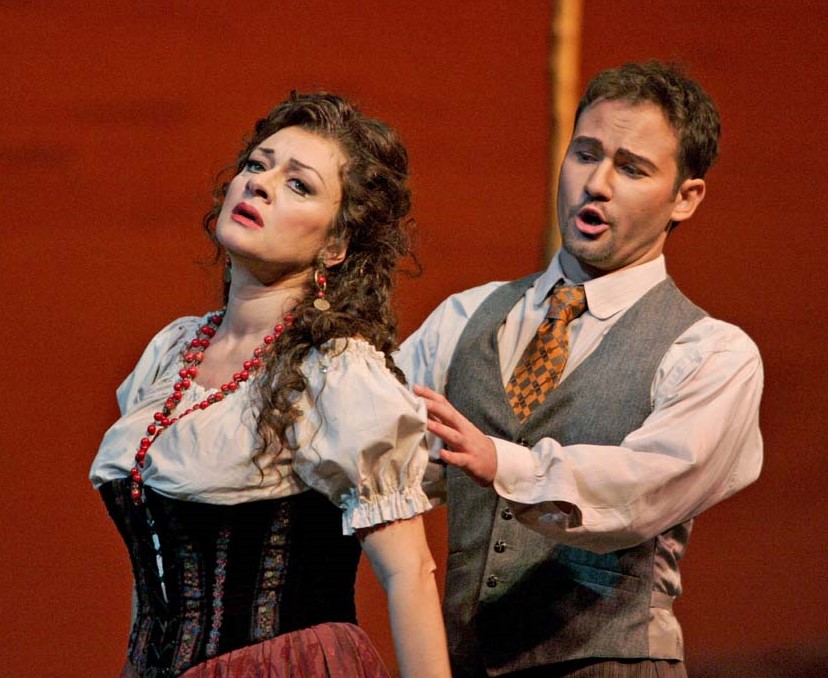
[293,163]
[585,141]
[626,154]
[622,153]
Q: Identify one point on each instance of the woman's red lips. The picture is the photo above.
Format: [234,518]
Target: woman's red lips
[247,215]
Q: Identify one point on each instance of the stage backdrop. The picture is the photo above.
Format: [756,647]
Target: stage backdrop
[117,116]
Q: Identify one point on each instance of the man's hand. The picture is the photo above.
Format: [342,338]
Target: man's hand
[467,447]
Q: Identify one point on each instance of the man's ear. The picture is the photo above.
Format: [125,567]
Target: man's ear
[334,252]
[688,198]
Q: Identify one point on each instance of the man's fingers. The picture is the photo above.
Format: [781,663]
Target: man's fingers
[447,434]
[442,411]
[427,393]
[457,459]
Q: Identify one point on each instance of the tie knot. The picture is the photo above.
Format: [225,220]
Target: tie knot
[567,302]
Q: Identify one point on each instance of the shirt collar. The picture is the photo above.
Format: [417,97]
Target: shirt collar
[609,294]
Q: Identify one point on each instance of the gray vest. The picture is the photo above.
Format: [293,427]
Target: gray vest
[514,598]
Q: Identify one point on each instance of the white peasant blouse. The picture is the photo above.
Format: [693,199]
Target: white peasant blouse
[360,440]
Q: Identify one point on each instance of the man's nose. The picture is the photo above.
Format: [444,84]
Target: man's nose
[599,183]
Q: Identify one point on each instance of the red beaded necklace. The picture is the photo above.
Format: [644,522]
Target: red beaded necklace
[192,358]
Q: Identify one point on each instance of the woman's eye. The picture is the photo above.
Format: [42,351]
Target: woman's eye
[251,165]
[299,186]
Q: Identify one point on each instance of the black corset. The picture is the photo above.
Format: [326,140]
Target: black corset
[214,578]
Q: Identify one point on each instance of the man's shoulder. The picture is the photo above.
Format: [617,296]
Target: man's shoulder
[466,302]
[716,335]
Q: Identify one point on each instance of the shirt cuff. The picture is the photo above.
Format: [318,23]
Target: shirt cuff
[515,468]
[516,480]
[360,513]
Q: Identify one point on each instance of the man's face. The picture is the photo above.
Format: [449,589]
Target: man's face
[617,190]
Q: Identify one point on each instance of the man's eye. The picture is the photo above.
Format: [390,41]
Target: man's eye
[632,170]
[584,156]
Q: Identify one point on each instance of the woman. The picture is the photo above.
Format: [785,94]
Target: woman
[252,438]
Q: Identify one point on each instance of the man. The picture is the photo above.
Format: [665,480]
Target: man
[590,412]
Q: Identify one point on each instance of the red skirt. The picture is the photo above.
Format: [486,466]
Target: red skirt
[332,650]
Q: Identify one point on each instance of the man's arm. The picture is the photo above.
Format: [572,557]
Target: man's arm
[700,445]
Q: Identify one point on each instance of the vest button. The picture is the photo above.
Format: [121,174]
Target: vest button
[492,581]
[506,514]
[500,546]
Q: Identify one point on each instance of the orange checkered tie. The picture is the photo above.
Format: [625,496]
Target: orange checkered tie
[542,363]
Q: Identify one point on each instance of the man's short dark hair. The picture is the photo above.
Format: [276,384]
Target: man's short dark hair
[689,109]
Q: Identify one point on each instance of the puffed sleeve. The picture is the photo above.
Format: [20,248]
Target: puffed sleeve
[361,439]
[155,361]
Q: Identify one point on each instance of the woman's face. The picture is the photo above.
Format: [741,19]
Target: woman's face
[278,211]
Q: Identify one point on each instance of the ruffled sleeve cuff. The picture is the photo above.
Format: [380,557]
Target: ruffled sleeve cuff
[364,513]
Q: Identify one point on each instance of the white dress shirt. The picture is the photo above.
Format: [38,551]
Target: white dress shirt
[700,444]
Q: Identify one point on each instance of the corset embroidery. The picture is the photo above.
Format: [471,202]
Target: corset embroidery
[273,567]
[222,544]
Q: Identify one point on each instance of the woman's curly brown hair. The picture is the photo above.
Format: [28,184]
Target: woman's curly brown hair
[372,220]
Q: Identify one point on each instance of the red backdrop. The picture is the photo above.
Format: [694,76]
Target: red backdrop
[117,117]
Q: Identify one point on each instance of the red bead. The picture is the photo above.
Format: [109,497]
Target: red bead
[320,294]
[190,371]
[135,493]
[321,280]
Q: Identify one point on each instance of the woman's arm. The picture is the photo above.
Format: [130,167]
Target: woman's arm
[402,562]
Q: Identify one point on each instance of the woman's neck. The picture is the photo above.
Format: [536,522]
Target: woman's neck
[254,308]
